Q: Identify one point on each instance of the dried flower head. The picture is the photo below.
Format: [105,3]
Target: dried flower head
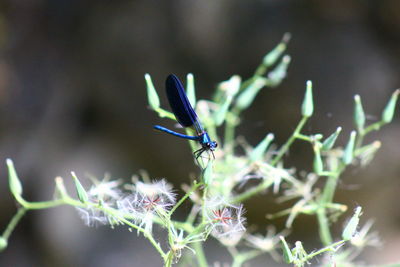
[102,193]
[147,201]
[226,221]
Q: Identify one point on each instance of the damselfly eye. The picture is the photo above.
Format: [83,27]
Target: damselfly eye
[212,145]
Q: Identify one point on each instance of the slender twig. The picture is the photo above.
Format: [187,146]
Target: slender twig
[13,223]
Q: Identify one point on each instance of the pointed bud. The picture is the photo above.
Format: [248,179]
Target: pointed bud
[3,243]
[271,58]
[260,149]
[349,150]
[359,115]
[276,76]
[190,91]
[13,180]
[287,253]
[247,96]
[220,114]
[330,141]
[351,227]
[152,96]
[388,112]
[82,195]
[367,153]
[228,88]
[307,108]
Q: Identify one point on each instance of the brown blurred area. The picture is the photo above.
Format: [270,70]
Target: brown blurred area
[72,97]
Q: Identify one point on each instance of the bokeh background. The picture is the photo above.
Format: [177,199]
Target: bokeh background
[72,97]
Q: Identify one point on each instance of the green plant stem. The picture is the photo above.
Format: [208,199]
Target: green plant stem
[146,234]
[66,200]
[200,256]
[323,223]
[230,125]
[253,191]
[13,223]
[291,139]
[326,198]
[168,259]
[373,127]
[241,258]
[165,114]
[333,247]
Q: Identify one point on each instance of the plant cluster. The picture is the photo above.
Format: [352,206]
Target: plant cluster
[218,194]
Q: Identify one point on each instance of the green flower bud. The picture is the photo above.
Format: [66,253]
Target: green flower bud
[388,112]
[13,180]
[351,226]
[82,195]
[260,149]
[3,243]
[247,96]
[359,115]
[307,108]
[152,96]
[330,141]
[276,76]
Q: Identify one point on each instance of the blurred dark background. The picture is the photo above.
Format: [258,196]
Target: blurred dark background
[72,97]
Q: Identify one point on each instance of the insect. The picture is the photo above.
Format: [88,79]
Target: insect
[186,116]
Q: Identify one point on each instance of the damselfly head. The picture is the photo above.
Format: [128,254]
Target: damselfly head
[211,145]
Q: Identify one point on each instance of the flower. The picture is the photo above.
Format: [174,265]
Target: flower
[157,196]
[101,194]
[106,190]
[226,221]
[147,201]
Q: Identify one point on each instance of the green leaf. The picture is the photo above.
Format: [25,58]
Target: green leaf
[388,112]
[82,195]
[330,141]
[359,115]
[351,226]
[152,96]
[13,180]
[349,150]
[307,108]
[259,151]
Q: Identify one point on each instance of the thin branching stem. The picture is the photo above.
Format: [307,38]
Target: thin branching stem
[13,223]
